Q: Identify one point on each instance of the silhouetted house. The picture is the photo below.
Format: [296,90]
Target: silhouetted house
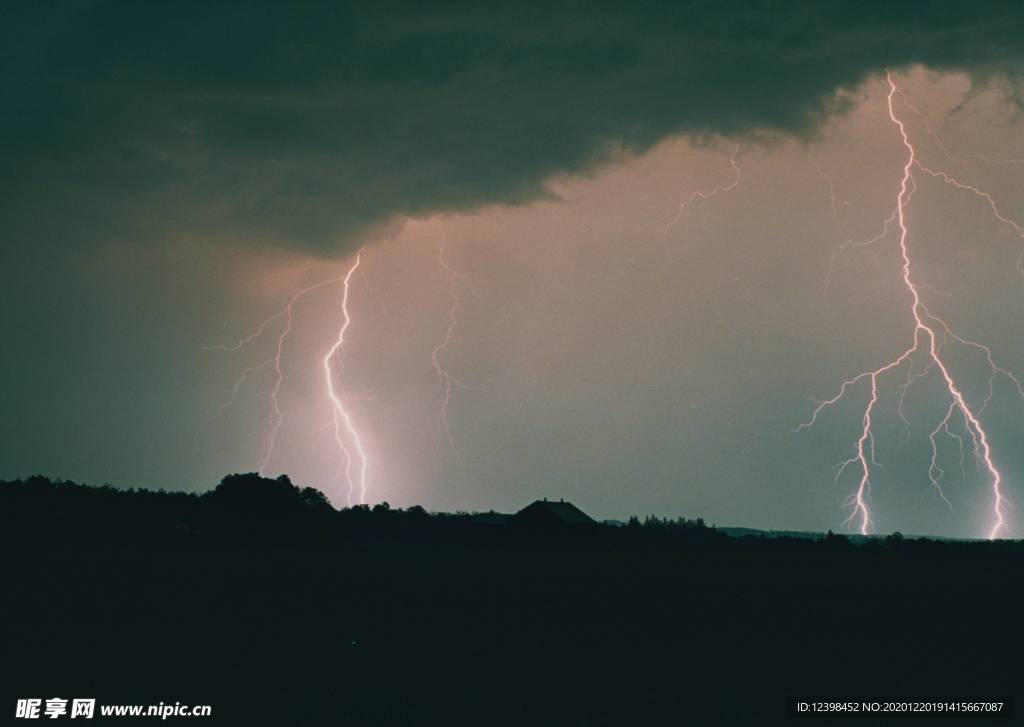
[550,514]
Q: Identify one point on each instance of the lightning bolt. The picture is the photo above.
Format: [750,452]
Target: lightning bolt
[697,198]
[930,333]
[445,379]
[342,424]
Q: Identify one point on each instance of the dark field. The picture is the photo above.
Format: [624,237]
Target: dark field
[295,616]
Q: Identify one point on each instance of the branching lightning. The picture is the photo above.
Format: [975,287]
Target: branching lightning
[931,346]
[341,423]
[342,420]
[930,334]
[276,415]
[838,227]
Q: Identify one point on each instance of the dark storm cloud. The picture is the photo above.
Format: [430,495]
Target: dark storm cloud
[298,124]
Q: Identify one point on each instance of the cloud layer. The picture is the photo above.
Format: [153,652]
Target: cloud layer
[306,125]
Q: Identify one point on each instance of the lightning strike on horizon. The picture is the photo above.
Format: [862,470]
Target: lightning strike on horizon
[928,339]
[341,417]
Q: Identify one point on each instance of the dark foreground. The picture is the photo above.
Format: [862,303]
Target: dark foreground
[305,616]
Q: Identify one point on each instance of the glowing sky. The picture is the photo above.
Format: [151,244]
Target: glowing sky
[606,348]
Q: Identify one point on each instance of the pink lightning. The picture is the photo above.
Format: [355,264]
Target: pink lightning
[930,333]
[443,377]
[342,420]
[446,380]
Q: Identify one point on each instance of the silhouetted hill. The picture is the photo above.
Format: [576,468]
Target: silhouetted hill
[247,509]
[250,510]
[263,600]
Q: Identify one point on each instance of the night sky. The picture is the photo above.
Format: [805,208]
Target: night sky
[534,193]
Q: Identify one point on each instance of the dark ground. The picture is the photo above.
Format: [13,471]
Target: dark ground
[299,615]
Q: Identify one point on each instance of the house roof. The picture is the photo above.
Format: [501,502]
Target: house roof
[561,511]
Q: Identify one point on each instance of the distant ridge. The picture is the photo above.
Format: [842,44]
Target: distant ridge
[814,535]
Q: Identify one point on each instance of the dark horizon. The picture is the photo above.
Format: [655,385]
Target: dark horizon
[731,530]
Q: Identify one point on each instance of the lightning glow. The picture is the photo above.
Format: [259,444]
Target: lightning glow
[930,333]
